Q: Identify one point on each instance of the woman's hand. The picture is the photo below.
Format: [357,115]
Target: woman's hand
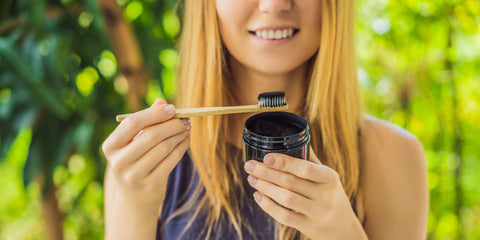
[141,152]
[304,195]
[144,149]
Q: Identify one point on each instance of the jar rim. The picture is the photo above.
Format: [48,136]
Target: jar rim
[282,118]
[299,122]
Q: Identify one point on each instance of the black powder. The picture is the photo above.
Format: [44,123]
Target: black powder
[273,128]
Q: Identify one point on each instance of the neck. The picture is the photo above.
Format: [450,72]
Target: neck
[249,83]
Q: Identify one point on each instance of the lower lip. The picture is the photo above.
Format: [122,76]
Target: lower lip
[273,42]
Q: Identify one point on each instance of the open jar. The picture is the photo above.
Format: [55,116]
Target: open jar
[279,132]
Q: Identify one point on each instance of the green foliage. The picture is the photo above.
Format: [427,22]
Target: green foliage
[59,94]
[49,69]
[60,90]
[419,69]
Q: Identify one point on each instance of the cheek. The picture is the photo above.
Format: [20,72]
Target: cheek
[231,18]
[312,26]
[223,8]
[312,17]
[231,13]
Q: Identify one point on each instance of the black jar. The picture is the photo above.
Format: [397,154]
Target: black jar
[279,132]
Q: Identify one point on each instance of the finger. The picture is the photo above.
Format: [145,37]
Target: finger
[282,215]
[141,168]
[304,169]
[149,138]
[282,196]
[163,169]
[283,179]
[135,122]
[158,102]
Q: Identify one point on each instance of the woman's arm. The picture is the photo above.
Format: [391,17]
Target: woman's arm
[123,218]
[393,182]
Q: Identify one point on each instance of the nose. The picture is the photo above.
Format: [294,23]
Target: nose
[274,6]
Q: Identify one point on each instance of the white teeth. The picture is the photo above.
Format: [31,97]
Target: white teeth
[279,34]
[274,35]
[265,35]
[271,34]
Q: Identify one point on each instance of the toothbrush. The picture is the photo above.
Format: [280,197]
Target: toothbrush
[267,102]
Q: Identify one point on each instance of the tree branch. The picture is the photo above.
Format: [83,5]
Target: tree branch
[127,51]
[12,24]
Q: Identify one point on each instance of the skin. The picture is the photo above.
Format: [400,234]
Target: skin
[141,153]
[392,199]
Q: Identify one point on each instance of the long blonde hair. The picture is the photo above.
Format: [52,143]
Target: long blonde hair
[332,108]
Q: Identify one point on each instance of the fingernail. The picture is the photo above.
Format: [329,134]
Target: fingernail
[170,109]
[185,121]
[269,160]
[155,102]
[188,128]
[251,179]
[249,166]
[257,197]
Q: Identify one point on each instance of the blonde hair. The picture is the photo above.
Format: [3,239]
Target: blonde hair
[332,108]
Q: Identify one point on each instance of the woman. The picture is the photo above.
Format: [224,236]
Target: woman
[366,179]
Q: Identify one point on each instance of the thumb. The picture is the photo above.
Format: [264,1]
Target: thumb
[159,101]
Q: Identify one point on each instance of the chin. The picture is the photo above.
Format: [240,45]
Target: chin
[276,67]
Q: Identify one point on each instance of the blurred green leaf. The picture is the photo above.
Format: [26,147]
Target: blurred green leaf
[30,79]
[60,90]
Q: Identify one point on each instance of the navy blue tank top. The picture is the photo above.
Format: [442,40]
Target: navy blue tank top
[179,191]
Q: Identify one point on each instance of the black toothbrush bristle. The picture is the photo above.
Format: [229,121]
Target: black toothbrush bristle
[272,99]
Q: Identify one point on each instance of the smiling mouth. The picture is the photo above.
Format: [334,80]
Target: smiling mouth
[275,34]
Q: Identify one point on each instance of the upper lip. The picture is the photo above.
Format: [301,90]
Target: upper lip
[274,28]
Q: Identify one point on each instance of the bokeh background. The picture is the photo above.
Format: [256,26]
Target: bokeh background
[68,66]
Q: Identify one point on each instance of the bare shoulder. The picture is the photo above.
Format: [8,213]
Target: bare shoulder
[381,137]
[393,182]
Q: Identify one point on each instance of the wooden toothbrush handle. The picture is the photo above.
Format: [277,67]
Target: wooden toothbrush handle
[208,111]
